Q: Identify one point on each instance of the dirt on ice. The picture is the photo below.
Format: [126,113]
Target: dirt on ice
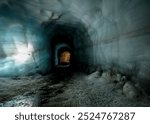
[76,90]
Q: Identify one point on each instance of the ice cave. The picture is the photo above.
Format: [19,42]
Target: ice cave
[73,53]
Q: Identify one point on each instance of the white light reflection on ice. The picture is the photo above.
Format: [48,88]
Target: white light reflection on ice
[23,53]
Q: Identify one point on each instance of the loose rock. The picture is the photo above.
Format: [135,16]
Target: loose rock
[94,75]
[107,75]
[130,91]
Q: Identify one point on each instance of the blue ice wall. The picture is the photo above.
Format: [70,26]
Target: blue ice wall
[120,37]
[22,43]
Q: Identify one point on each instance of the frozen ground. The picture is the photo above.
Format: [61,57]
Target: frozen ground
[78,89]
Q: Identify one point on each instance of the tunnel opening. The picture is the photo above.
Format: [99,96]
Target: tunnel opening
[64,57]
[61,49]
[64,40]
[62,52]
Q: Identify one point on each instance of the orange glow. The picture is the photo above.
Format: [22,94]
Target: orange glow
[65,57]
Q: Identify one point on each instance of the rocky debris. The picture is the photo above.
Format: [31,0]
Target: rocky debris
[121,84]
[107,75]
[124,78]
[118,77]
[94,75]
[79,90]
[20,101]
[130,91]
[56,86]
[16,78]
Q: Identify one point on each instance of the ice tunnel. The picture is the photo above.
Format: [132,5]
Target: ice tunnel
[38,36]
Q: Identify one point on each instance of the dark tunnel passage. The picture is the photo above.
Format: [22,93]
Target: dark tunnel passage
[61,41]
[64,53]
[64,37]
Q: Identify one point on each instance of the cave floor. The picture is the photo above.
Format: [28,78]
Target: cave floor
[75,90]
